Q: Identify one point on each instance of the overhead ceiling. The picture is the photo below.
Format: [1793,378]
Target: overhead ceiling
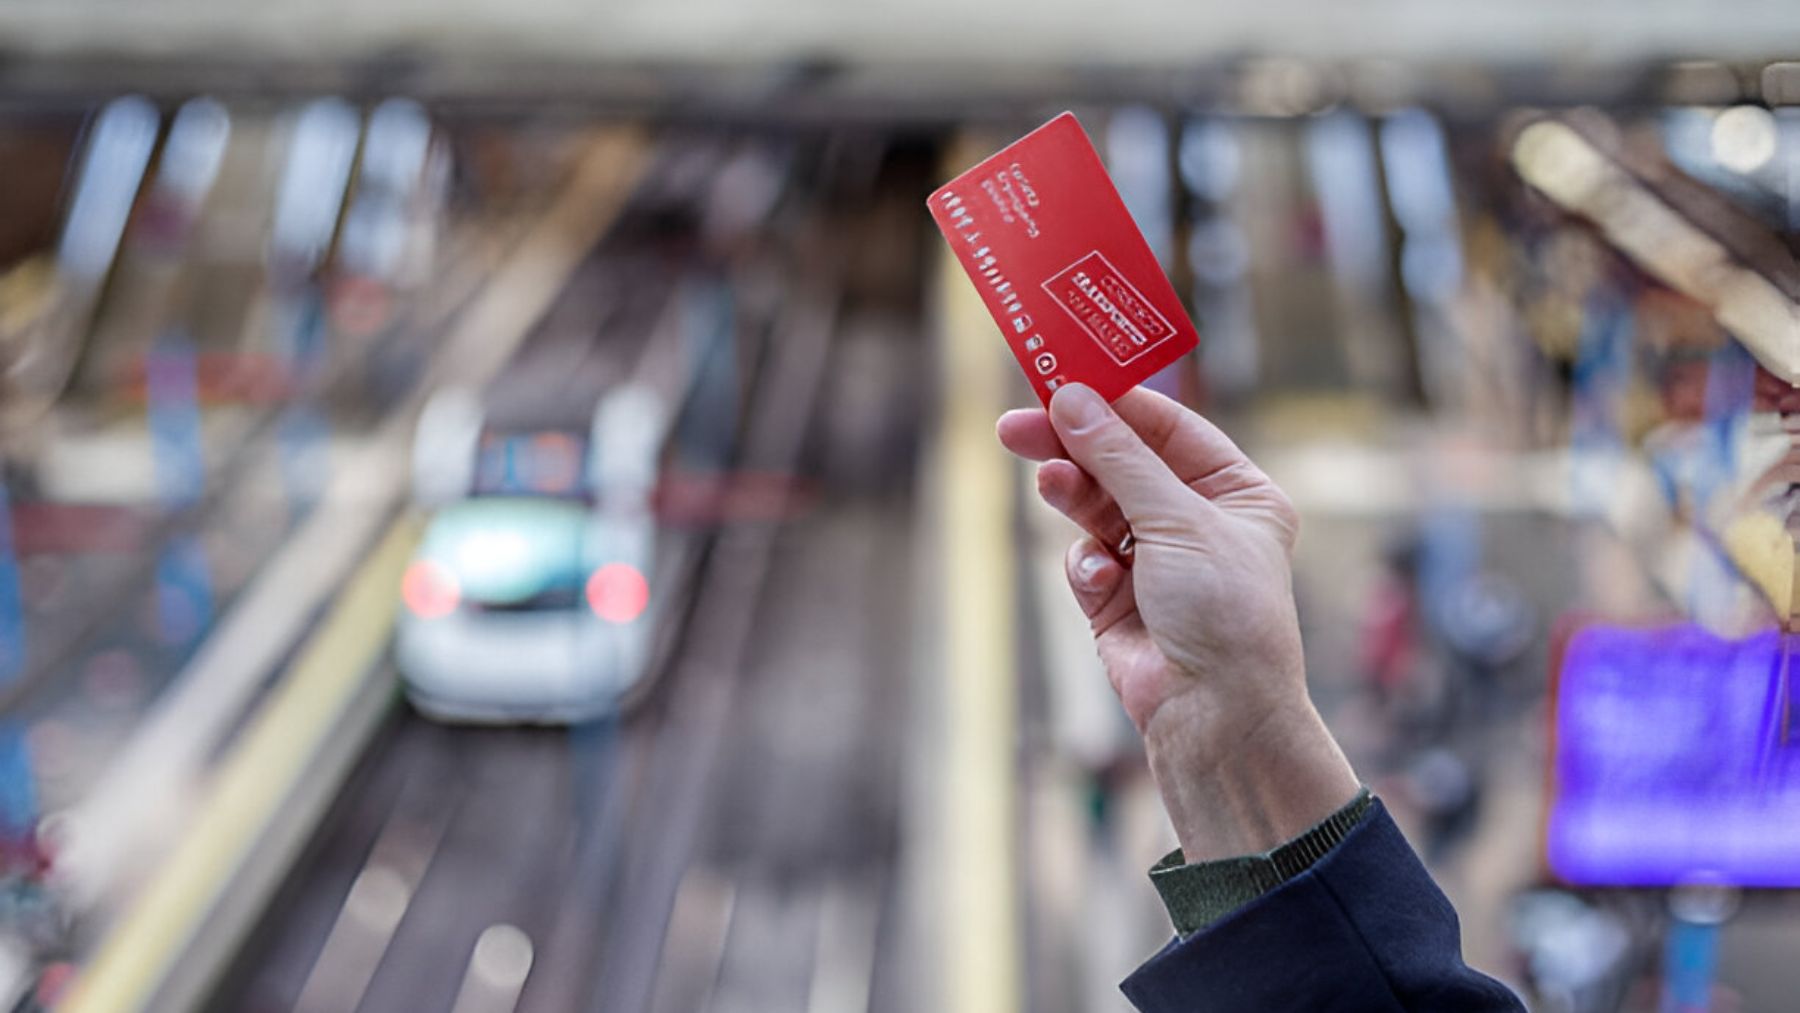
[999,34]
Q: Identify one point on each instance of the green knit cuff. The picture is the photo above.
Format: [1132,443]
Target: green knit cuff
[1201,894]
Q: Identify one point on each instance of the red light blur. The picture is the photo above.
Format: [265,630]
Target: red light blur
[429,590]
[618,593]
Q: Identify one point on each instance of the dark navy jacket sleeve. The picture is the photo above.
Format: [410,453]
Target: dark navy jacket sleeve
[1364,929]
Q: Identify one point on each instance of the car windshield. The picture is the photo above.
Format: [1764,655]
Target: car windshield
[548,463]
[511,553]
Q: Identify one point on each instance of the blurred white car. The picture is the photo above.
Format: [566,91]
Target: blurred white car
[529,598]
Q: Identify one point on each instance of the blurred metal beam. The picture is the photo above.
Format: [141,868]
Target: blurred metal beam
[837,87]
[1684,234]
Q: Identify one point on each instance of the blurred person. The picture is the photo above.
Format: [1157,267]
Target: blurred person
[1390,625]
[1402,668]
[1292,887]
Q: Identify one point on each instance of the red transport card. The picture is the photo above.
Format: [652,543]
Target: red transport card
[1043,234]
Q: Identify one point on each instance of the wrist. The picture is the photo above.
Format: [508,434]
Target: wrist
[1238,780]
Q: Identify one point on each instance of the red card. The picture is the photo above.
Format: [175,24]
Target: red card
[1065,272]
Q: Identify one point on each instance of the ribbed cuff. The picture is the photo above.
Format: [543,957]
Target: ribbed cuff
[1200,894]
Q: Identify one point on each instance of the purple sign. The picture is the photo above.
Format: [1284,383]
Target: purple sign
[1673,761]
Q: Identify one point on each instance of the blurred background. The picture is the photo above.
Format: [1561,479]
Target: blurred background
[499,507]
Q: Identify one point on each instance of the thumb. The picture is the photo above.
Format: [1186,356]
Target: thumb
[1113,453]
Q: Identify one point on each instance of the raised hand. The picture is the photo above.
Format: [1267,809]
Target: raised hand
[1184,575]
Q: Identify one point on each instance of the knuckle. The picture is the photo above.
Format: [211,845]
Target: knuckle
[1112,435]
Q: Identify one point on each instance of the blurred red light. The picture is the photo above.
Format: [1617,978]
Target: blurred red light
[618,593]
[429,590]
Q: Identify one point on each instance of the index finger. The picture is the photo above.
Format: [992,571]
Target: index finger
[1198,452]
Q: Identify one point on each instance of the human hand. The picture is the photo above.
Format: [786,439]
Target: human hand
[1198,635]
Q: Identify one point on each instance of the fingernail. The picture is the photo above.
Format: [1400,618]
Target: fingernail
[1087,570]
[1078,407]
